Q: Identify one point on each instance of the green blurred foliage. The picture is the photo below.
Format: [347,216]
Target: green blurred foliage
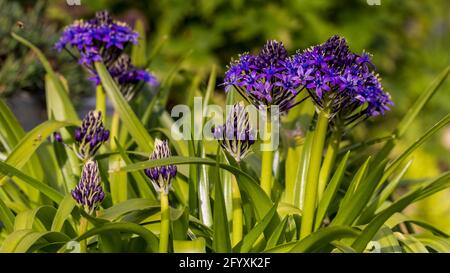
[19,69]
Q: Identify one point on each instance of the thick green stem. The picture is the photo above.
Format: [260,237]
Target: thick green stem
[165,223]
[312,178]
[267,161]
[81,230]
[237,213]
[328,162]
[100,102]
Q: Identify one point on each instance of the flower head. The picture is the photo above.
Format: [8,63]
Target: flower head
[161,177]
[89,192]
[236,135]
[127,76]
[341,81]
[264,79]
[98,39]
[90,136]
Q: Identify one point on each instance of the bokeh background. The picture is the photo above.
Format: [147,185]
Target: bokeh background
[409,40]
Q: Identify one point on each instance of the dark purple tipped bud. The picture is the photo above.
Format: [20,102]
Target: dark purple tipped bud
[91,135]
[78,134]
[89,193]
[236,132]
[105,135]
[58,137]
[161,177]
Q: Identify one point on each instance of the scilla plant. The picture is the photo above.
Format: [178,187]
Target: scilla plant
[123,183]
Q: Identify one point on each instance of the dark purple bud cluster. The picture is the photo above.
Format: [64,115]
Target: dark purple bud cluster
[89,192]
[98,39]
[343,82]
[236,135]
[264,79]
[90,136]
[161,177]
[127,76]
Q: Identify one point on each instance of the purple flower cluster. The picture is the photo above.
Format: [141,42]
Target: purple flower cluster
[264,79]
[344,83]
[89,192]
[103,39]
[98,39]
[236,135]
[90,136]
[127,76]
[162,176]
[339,80]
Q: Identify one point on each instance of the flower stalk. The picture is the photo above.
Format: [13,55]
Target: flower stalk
[267,161]
[100,102]
[165,223]
[237,224]
[328,162]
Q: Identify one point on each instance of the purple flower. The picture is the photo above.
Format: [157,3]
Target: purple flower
[262,79]
[98,39]
[161,177]
[339,80]
[89,192]
[236,135]
[90,136]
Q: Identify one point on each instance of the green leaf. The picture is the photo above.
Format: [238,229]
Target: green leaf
[128,206]
[8,170]
[138,51]
[386,241]
[400,159]
[436,243]
[323,237]
[278,234]
[302,170]
[370,230]
[195,246]
[330,191]
[250,238]
[180,160]
[28,219]
[35,240]
[151,239]
[11,241]
[221,235]
[410,244]
[399,218]
[354,199]
[65,208]
[129,118]
[30,142]
[6,216]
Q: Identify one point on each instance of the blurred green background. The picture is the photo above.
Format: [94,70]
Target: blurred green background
[409,39]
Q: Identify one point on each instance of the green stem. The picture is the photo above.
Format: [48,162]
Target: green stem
[312,178]
[328,162]
[237,212]
[165,223]
[81,230]
[266,162]
[100,102]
